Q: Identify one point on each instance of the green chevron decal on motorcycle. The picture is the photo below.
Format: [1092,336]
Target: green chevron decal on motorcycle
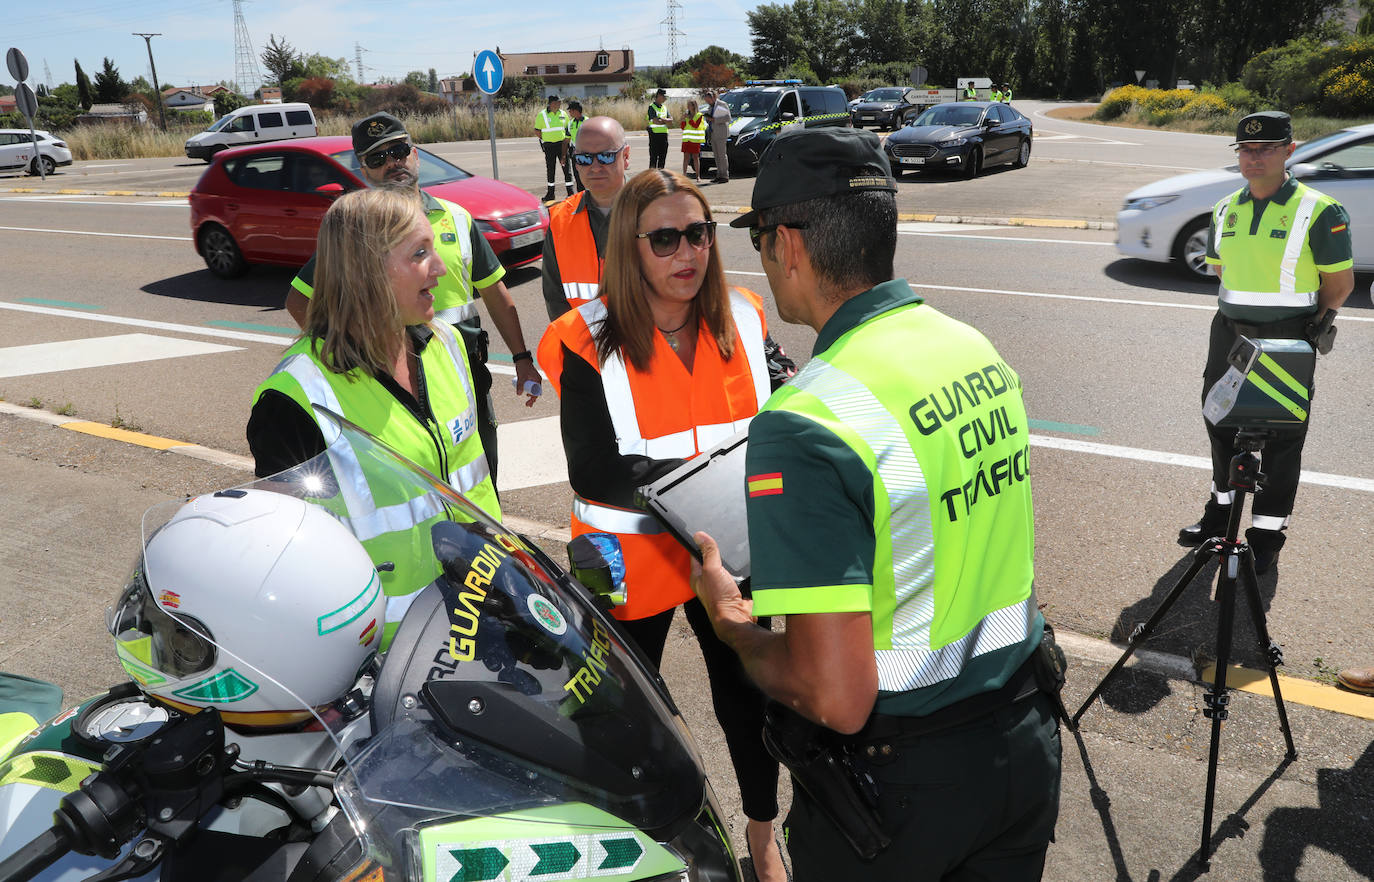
[225,687]
[572,841]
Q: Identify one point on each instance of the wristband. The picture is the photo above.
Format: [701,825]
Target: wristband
[520,356]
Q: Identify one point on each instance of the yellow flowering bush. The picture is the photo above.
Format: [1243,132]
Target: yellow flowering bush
[1205,105]
[1118,101]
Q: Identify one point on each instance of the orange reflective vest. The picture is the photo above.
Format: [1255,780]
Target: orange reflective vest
[662,413]
[574,247]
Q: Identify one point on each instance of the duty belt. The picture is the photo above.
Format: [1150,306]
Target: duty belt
[1285,329]
[886,727]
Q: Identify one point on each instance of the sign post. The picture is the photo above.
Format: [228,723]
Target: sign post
[489,73]
[26,101]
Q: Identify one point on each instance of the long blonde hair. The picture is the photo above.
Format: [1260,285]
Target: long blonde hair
[352,320]
[629,325]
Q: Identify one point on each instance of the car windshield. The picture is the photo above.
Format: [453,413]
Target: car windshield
[433,170]
[884,95]
[751,102]
[950,115]
[219,124]
[1314,149]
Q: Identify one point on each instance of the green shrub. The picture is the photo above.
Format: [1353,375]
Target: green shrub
[1237,97]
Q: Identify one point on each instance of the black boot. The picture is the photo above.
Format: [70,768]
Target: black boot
[1265,544]
[1214,520]
[548,195]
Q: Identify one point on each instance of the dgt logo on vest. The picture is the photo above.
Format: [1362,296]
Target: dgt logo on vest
[461,427]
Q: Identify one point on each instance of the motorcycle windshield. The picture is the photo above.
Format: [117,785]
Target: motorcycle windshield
[505,692]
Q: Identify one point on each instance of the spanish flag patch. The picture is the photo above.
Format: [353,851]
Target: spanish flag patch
[769,484]
[1339,229]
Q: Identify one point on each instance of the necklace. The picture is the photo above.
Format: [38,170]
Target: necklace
[671,336]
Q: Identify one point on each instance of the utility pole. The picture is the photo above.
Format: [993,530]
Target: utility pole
[157,90]
[358,54]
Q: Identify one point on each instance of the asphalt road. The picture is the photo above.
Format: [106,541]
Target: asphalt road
[1110,352]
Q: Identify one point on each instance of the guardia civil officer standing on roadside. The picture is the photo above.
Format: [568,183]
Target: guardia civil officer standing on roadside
[899,548]
[1283,252]
[387,159]
[551,127]
[658,120]
[575,121]
[970,93]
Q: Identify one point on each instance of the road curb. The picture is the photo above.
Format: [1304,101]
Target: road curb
[1076,646]
[902,217]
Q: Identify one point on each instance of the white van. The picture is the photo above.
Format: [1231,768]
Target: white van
[256,124]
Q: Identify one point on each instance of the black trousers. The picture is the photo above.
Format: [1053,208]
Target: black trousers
[658,149]
[737,701]
[554,155]
[1281,459]
[973,803]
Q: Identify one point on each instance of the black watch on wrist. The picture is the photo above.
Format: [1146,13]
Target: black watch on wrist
[520,356]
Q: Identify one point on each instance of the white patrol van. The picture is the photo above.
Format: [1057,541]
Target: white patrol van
[762,108]
[255,124]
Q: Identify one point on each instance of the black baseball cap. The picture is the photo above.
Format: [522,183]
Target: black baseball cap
[375,131]
[804,164]
[1267,126]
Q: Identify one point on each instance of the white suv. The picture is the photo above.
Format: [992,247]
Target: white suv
[17,153]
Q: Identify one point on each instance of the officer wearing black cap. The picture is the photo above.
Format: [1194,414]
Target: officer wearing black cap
[912,624]
[1283,252]
[386,158]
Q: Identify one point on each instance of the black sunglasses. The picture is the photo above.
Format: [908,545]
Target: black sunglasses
[399,150]
[605,157]
[665,240]
[756,233]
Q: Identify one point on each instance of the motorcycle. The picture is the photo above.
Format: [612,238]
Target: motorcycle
[508,732]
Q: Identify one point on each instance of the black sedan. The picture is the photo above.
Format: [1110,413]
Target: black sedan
[965,135]
[884,108]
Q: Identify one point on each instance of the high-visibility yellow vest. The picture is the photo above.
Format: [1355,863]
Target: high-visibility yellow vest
[656,123]
[694,130]
[386,515]
[552,125]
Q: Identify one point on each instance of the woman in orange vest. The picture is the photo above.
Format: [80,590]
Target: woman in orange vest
[668,362]
[693,136]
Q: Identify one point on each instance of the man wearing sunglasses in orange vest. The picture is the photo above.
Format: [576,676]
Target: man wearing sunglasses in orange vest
[576,242]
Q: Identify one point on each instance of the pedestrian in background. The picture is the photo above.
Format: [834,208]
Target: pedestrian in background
[575,121]
[658,121]
[718,115]
[693,136]
[551,127]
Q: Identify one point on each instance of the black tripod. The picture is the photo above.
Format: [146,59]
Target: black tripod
[1237,564]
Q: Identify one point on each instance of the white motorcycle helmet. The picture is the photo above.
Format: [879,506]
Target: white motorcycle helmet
[253,602]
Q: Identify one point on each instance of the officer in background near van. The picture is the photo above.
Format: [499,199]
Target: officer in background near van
[387,159]
[575,121]
[551,127]
[658,120]
[717,114]
[912,626]
[1283,252]
[970,93]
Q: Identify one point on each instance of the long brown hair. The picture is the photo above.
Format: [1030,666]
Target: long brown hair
[629,327]
[352,319]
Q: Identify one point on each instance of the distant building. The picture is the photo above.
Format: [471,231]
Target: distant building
[114,113]
[270,94]
[191,98]
[590,73]
[8,103]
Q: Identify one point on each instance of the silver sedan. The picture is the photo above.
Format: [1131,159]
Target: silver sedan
[1168,220]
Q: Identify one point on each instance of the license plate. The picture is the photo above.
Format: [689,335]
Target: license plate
[866,117]
[912,160]
[524,239]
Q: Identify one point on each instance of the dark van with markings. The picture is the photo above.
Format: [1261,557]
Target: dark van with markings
[762,108]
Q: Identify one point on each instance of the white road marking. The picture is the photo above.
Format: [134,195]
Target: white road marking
[84,199]
[927,227]
[89,233]
[107,165]
[70,355]
[531,453]
[901,229]
[245,336]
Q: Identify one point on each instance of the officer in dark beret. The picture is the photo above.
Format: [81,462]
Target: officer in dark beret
[1283,253]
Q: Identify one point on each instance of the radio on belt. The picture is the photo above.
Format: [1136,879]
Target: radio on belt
[706,494]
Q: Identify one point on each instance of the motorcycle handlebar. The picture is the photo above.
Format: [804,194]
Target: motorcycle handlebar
[36,856]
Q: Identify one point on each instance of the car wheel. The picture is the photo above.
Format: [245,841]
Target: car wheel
[1190,249]
[1022,154]
[49,166]
[221,252]
[974,164]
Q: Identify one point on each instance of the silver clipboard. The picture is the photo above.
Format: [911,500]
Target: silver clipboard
[706,493]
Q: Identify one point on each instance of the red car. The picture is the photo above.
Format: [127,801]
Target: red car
[263,204]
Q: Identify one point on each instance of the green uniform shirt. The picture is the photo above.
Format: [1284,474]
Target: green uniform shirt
[817,531]
[1258,230]
[552,125]
[457,287]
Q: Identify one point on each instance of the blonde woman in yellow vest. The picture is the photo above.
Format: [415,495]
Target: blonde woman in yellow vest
[372,352]
[693,136]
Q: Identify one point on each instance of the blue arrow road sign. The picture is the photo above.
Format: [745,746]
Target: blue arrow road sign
[488,71]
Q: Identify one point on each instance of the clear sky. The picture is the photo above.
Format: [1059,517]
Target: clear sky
[196,45]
